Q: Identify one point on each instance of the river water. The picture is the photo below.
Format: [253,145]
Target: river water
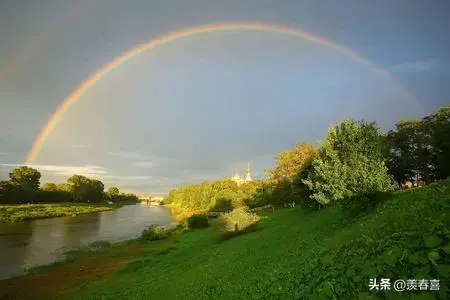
[43,241]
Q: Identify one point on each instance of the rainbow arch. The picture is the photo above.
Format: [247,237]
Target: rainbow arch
[184,33]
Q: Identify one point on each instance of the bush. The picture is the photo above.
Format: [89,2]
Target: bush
[44,196]
[197,221]
[361,204]
[222,205]
[236,222]
[154,233]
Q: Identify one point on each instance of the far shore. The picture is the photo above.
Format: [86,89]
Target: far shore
[13,213]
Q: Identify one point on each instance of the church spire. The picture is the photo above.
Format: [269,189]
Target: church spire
[248,176]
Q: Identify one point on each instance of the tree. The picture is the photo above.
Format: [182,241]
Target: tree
[420,149]
[283,187]
[113,192]
[349,162]
[26,178]
[437,129]
[85,189]
[289,163]
[49,186]
[64,187]
[401,148]
[7,192]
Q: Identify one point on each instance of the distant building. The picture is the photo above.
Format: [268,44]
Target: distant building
[241,179]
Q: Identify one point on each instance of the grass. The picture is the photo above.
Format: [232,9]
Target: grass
[23,212]
[293,254]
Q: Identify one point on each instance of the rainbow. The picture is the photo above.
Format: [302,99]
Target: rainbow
[184,33]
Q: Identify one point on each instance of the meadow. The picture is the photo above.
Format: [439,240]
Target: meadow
[21,212]
[293,253]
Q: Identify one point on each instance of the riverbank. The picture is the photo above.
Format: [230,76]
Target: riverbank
[22,212]
[292,254]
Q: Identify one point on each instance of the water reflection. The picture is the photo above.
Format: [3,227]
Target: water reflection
[43,241]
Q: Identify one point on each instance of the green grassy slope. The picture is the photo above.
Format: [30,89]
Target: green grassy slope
[298,255]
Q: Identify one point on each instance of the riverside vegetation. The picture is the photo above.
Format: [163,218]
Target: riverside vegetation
[22,198]
[344,218]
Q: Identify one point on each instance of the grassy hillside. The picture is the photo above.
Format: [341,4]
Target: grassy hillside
[293,254]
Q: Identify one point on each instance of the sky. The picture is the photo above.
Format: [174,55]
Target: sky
[199,107]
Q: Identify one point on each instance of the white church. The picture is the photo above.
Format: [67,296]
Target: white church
[241,179]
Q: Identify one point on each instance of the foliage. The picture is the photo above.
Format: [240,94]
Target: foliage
[222,205]
[23,212]
[154,232]
[25,178]
[282,187]
[350,162]
[197,221]
[57,196]
[419,150]
[291,162]
[209,196]
[8,192]
[85,189]
[49,186]
[63,187]
[113,192]
[23,186]
[236,222]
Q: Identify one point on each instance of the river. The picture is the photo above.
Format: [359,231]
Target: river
[43,241]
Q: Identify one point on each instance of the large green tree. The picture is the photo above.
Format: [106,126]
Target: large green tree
[85,189]
[437,131]
[26,178]
[420,149]
[350,162]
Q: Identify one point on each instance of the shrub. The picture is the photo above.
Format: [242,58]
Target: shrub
[360,204]
[197,221]
[222,205]
[236,222]
[154,232]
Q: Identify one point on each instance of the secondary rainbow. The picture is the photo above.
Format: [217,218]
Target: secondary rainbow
[184,33]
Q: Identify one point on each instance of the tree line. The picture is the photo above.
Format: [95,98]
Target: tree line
[24,186]
[354,160]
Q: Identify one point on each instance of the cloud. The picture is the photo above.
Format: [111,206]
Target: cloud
[144,164]
[124,177]
[3,153]
[414,66]
[66,170]
[78,146]
[129,155]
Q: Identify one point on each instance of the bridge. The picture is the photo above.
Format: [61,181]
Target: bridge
[153,200]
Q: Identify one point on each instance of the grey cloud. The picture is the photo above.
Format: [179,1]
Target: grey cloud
[414,66]
[129,155]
